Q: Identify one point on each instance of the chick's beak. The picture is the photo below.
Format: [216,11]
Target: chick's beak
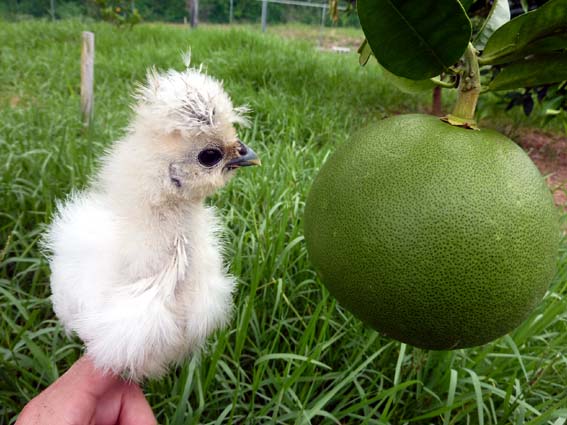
[246,158]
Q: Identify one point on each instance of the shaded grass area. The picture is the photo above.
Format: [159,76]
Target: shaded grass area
[291,353]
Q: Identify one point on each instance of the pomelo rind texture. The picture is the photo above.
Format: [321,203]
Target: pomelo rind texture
[434,235]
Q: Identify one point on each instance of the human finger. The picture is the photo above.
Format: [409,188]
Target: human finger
[72,399]
[135,408]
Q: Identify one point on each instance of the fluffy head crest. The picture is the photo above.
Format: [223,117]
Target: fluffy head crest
[187,101]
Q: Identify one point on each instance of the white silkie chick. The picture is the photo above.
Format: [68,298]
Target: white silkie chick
[137,271]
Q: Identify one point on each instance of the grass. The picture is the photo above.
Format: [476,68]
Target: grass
[291,355]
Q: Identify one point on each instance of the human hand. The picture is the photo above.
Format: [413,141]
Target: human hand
[86,396]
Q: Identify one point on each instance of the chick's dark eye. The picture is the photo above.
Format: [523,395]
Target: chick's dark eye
[209,157]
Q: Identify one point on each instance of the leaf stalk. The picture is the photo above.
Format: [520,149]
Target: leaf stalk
[443,84]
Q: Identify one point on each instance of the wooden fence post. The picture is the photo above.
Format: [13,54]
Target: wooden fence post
[195,14]
[193,8]
[87,78]
[264,15]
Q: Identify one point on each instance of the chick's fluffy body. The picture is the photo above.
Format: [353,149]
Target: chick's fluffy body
[137,270]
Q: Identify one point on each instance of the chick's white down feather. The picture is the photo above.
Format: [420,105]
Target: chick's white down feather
[137,270]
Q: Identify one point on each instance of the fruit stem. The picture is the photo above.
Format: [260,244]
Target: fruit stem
[468,92]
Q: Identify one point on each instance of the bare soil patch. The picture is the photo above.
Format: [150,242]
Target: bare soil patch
[549,153]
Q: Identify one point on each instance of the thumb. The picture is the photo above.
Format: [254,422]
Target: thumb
[71,399]
[84,378]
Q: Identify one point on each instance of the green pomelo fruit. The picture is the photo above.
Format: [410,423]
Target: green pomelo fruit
[435,235]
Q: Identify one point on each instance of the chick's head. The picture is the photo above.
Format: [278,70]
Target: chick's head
[189,120]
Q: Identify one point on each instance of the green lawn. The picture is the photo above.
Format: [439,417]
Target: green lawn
[291,354]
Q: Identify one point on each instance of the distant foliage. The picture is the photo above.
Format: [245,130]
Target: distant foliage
[131,11]
[118,13]
[550,101]
[165,10]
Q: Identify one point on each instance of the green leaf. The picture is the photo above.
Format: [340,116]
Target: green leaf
[551,44]
[466,3]
[364,52]
[524,4]
[415,39]
[406,85]
[548,44]
[403,84]
[498,16]
[516,38]
[535,71]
